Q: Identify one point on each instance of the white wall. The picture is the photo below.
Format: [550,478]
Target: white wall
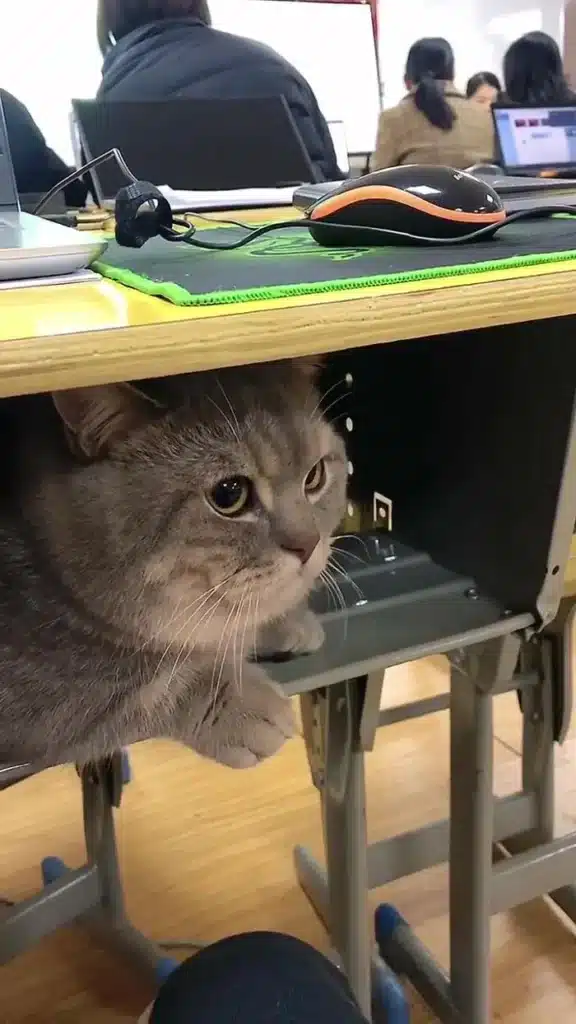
[50,56]
[60,60]
[480,31]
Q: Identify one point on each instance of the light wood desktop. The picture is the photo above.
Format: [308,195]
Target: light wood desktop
[57,337]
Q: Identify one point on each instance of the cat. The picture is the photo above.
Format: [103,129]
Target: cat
[153,540]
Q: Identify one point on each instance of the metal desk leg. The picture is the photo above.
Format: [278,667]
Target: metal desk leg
[335,730]
[471,834]
[346,838]
[538,749]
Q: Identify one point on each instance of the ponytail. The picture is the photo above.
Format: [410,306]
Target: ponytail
[431,101]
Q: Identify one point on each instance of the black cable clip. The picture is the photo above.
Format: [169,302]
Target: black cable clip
[141,212]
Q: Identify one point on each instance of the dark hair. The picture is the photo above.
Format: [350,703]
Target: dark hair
[480,79]
[533,71]
[116,18]
[429,65]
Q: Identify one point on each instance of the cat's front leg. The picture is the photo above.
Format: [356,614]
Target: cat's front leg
[297,632]
[236,721]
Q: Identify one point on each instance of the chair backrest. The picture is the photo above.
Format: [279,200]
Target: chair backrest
[195,144]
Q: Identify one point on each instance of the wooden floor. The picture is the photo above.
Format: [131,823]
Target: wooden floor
[207,851]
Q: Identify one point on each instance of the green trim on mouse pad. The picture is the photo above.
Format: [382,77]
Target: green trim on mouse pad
[180,296]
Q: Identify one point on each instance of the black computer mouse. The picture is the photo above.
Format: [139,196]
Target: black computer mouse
[425,202]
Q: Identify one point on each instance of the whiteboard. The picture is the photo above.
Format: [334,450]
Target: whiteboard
[332,45]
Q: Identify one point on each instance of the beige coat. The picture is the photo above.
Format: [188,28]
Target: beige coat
[405,136]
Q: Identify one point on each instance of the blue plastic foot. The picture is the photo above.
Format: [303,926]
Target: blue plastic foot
[126,768]
[391,1005]
[52,869]
[387,919]
[165,967]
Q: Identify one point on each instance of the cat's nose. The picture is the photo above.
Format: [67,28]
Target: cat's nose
[302,547]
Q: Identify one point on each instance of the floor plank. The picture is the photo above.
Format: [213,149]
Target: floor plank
[206,852]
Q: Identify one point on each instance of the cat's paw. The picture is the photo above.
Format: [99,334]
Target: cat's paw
[300,633]
[256,724]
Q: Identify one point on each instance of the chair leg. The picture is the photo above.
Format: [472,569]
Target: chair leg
[471,837]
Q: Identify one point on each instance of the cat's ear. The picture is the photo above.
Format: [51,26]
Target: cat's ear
[95,417]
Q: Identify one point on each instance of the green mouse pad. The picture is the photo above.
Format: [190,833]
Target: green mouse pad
[289,263]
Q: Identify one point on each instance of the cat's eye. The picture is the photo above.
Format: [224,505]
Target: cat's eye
[316,478]
[233,496]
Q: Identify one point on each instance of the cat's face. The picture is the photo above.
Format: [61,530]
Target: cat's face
[227,500]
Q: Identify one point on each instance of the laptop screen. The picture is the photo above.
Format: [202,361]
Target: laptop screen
[536,138]
[8,194]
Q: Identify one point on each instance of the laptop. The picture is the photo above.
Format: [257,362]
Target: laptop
[535,139]
[29,246]
[194,145]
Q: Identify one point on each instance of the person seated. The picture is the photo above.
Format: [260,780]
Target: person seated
[37,168]
[167,49]
[484,88]
[534,73]
[434,123]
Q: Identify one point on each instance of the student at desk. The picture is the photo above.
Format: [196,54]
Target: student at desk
[164,49]
[534,73]
[37,168]
[434,123]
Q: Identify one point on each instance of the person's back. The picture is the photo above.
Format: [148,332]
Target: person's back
[534,73]
[37,168]
[406,136]
[157,57]
[434,123]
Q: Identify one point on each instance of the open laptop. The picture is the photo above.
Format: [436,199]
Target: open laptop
[535,139]
[32,247]
[194,145]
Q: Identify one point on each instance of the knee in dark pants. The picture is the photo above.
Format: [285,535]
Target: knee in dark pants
[257,978]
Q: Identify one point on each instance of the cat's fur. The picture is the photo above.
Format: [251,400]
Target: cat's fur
[128,606]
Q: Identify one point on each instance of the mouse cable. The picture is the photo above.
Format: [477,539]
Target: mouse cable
[111,154]
[488,231]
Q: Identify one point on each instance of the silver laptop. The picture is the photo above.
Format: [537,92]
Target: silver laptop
[32,247]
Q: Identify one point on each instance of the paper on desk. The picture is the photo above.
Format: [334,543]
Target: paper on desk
[231,199]
[79,277]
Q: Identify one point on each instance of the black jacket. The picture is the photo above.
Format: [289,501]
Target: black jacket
[185,58]
[37,168]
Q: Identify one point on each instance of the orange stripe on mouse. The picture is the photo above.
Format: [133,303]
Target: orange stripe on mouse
[386,193]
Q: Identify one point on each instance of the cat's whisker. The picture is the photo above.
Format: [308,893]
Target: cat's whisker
[352,536]
[225,417]
[201,600]
[339,398]
[328,583]
[187,645]
[255,627]
[244,634]
[324,396]
[237,635]
[232,409]
[224,639]
[342,572]
[342,602]
[348,554]
[215,689]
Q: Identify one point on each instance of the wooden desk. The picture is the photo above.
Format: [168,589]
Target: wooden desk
[95,333]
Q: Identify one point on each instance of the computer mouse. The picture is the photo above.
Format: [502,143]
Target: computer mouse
[426,202]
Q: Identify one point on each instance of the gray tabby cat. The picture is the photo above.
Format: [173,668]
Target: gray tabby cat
[144,543]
